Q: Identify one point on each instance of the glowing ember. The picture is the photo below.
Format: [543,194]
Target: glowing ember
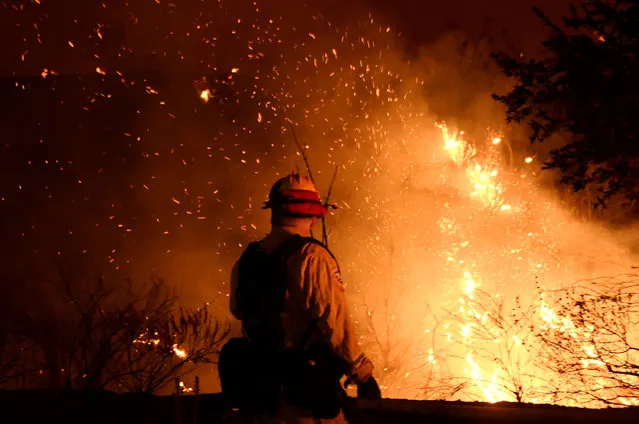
[205,95]
[184,389]
[181,353]
[147,339]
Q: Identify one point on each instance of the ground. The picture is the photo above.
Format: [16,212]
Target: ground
[104,407]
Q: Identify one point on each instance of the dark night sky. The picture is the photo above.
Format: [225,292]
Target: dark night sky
[420,21]
[425,20]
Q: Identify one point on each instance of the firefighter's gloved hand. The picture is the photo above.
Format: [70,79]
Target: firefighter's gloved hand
[362,377]
[361,372]
[369,390]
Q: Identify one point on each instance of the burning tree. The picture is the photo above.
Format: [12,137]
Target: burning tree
[592,341]
[499,344]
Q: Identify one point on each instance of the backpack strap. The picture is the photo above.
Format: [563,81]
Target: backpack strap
[297,242]
[290,246]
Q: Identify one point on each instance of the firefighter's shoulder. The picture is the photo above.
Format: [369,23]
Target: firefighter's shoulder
[316,251]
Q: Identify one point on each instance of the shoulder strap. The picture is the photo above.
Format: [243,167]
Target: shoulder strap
[296,242]
[290,246]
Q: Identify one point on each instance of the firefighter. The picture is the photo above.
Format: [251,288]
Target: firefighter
[299,340]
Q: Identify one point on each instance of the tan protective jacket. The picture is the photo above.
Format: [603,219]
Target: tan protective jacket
[316,291]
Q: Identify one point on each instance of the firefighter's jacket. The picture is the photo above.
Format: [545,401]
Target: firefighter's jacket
[315,291]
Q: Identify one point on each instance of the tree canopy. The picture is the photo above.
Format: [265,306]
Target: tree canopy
[585,90]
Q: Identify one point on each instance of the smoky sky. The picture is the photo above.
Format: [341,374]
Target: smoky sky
[110,155]
[66,133]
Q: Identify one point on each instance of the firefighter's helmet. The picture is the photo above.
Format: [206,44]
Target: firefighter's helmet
[295,195]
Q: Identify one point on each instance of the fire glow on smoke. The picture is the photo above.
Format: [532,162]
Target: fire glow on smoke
[433,230]
[479,342]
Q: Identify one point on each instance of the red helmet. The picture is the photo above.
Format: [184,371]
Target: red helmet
[295,195]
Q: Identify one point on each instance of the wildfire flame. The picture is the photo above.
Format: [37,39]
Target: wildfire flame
[152,340]
[486,187]
[482,178]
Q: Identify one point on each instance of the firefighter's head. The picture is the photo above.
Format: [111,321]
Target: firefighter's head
[294,199]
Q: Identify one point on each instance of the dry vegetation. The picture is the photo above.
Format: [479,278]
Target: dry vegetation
[77,333]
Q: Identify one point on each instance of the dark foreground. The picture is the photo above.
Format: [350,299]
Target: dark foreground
[104,407]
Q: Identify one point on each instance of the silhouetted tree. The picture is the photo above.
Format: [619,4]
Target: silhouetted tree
[591,341]
[168,349]
[587,89]
[8,358]
[80,327]
[389,350]
[398,356]
[439,384]
[92,334]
